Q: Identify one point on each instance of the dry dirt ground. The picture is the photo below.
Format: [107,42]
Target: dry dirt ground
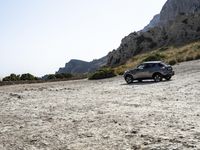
[103,115]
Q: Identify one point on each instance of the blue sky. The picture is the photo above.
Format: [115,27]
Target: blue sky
[39,36]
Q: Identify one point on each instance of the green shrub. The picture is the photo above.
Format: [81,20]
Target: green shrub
[67,75]
[102,73]
[59,76]
[172,62]
[12,77]
[51,77]
[27,76]
[155,57]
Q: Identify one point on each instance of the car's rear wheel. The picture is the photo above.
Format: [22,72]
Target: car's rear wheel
[129,79]
[157,77]
[168,78]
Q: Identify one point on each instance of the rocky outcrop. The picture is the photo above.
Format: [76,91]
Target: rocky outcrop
[177,23]
[79,66]
[171,10]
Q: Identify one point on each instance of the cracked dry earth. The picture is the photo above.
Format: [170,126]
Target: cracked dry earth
[103,115]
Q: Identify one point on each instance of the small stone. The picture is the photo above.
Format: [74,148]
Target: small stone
[134,132]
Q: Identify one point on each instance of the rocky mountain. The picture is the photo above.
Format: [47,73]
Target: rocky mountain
[177,23]
[79,66]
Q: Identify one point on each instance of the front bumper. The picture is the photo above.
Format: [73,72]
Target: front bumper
[172,73]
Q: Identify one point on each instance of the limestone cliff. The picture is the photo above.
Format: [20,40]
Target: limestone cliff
[177,23]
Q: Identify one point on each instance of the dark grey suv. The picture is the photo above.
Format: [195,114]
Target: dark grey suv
[156,70]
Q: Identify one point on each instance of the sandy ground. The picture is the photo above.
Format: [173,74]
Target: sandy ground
[104,114]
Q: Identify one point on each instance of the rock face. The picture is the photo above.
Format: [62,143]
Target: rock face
[79,66]
[177,23]
[171,10]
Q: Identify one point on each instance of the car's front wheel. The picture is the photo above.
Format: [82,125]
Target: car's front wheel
[157,77]
[129,79]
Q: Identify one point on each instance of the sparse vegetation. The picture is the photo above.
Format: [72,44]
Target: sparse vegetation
[189,58]
[163,49]
[14,77]
[172,62]
[28,78]
[58,76]
[102,73]
[155,57]
[171,55]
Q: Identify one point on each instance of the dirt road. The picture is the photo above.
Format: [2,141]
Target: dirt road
[104,114]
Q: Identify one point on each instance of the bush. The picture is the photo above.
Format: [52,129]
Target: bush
[180,59]
[12,77]
[51,77]
[197,57]
[189,58]
[154,57]
[63,76]
[58,76]
[102,73]
[27,76]
[172,62]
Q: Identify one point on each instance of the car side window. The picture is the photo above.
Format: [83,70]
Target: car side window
[147,66]
[160,65]
[141,66]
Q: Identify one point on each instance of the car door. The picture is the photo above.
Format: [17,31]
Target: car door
[150,70]
[147,71]
[140,73]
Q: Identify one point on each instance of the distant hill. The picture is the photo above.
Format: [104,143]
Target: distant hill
[79,66]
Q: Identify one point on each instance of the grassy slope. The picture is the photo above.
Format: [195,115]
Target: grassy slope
[170,55]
